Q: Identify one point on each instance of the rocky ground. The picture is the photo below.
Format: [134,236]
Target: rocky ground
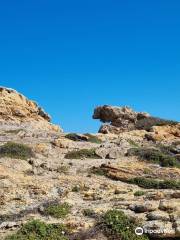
[135,171]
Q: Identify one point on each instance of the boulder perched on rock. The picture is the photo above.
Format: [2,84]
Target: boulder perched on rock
[124,119]
[17,110]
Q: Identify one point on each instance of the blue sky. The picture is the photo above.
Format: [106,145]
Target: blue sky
[71,56]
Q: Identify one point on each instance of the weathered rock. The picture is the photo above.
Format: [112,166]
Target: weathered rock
[146,207]
[120,118]
[17,110]
[158,215]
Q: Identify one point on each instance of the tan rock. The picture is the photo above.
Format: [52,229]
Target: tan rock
[16,109]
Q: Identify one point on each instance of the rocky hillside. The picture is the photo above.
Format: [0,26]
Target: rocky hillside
[67,186]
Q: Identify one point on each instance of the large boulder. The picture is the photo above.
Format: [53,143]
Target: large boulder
[120,119]
[124,119]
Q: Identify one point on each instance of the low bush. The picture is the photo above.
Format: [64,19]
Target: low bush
[76,137]
[153,183]
[98,171]
[58,210]
[93,139]
[139,193]
[148,123]
[16,150]
[37,230]
[155,155]
[83,153]
[88,212]
[118,226]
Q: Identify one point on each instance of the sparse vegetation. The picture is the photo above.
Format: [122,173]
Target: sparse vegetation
[76,137]
[118,226]
[14,131]
[132,143]
[16,150]
[93,139]
[148,123]
[83,153]
[139,193]
[63,169]
[58,210]
[153,183]
[88,212]
[37,230]
[98,171]
[155,155]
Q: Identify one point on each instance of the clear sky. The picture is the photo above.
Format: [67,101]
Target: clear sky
[71,56]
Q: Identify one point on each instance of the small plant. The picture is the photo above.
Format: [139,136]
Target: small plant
[58,210]
[132,143]
[98,171]
[147,171]
[88,212]
[139,193]
[63,169]
[118,226]
[93,139]
[76,188]
[37,230]
[16,150]
[83,153]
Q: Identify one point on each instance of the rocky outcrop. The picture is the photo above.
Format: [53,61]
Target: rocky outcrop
[124,119]
[120,119]
[17,110]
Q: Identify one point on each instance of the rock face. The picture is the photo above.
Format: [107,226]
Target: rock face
[16,109]
[120,118]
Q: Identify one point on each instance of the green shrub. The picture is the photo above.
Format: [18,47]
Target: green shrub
[58,210]
[37,230]
[154,155]
[139,193]
[83,153]
[16,150]
[75,137]
[153,183]
[148,123]
[93,139]
[118,226]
